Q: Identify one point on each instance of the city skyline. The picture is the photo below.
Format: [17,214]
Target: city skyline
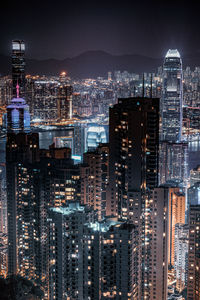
[99,182]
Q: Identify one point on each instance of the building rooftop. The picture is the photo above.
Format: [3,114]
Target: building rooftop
[173,53]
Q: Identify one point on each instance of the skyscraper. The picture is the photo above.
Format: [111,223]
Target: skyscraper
[20,148]
[94,179]
[133,160]
[18,67]
[172,94]
[133,171]
[64,102]
[18,117]
[181,255]
[157,242]
[176,215]
[91,260]
[193,286]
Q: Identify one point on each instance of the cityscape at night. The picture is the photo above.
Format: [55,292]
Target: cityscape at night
[100,152]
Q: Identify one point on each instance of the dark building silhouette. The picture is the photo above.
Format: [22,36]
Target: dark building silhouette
[133,172]
[133,161]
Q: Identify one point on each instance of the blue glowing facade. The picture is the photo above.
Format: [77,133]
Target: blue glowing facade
[18,117]
[172,94]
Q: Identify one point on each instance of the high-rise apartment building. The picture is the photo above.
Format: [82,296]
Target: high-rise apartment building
[133,171]
[94,179]
[91,260]
[181,255]
[65,252]
[156,239]
[133,160]
[193,283]
[3,199]
[172,94]
[18,67]
[176,215]
[20,148]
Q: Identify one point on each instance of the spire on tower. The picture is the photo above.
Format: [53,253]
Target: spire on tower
[17,88]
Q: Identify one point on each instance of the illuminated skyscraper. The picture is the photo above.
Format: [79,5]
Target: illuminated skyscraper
[176,215]
[133,160]
[88,259]
[18,117]
[133,171]
[18,67]
[171,101]
[181,255]
[193,286]
[64,102]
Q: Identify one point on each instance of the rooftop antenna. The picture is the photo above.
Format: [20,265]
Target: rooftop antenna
[17,88]
[151,89]
[143,85]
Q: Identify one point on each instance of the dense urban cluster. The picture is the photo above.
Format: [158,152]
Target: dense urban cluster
[100,182]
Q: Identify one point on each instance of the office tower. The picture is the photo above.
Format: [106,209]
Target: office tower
[194,175]
[173,163]
[181,255]
[95,136]
[64,102]
[157,242]
[18,117]
[176,215]
[193,284]
[65,271]
[20,148]
[18,67]
[133,160]
[94,179]
[171,101]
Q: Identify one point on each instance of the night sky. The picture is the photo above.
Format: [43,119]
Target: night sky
[64,29]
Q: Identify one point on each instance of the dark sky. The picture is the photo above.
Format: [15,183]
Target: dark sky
[66,28]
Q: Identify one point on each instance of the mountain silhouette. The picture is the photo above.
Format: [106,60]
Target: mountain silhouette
[92,64]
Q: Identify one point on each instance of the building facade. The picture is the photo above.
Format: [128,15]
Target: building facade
[172,94]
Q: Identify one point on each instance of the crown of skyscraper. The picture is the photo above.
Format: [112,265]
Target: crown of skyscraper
[173,53]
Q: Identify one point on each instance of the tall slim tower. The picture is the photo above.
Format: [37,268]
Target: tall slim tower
[65,93]
[18,67]
[171,104]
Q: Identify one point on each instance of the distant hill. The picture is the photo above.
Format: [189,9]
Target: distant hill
[94,64]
